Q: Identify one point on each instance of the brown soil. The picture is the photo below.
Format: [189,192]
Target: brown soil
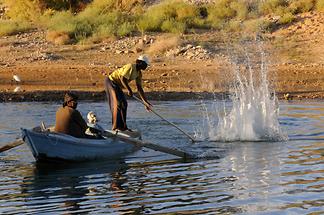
[295,56]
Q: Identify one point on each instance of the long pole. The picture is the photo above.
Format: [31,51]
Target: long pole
[156,147]
[171,123]
[11,145]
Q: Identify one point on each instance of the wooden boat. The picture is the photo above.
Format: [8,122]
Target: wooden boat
[47,145]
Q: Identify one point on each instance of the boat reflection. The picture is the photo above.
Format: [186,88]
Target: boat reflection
[58,187]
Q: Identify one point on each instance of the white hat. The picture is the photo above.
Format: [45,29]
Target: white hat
[144,58]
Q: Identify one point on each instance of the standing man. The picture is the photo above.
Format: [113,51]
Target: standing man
[118,80]
[68,119]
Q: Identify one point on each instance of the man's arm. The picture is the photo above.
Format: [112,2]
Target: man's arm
[124,82]
[140,90]
[79,120]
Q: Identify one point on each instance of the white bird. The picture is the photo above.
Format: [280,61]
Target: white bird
[16,78]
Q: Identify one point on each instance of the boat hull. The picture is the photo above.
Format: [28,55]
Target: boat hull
[55,146]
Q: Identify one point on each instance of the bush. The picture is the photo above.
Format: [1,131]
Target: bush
[241,9]
[169,15]
[104,31]
[60,5]
[221,10]
[125,29]
[173,26]
[258,25]
[83,29]
[320,5]
[9,27]
[58,38]
[222,13]
[107,21]
[301,6]
[107,6]
[286,18]
[265,25]
[23,10]
[273,6]
[63,22]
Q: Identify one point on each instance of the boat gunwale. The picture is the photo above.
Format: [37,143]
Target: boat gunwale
[107,141]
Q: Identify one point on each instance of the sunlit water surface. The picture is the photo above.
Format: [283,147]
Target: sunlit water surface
[242,178]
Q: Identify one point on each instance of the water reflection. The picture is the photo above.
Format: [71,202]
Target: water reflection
[248,177]
[69,187]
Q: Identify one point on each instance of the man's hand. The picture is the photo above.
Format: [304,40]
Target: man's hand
[130,93]
[148,106]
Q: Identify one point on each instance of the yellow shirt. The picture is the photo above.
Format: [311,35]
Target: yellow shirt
[129,72]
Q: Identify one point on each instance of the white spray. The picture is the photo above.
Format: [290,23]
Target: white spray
[254,113]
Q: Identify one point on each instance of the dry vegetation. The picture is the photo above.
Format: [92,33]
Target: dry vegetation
[163,44]
[65,46]
[81,21]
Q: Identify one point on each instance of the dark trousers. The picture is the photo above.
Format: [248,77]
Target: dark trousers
[117,104]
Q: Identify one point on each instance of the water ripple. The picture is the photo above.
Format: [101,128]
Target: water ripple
[246,177]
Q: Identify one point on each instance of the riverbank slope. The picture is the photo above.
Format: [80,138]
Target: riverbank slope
[184,67]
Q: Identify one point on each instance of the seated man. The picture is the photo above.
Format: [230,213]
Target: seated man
[69,120]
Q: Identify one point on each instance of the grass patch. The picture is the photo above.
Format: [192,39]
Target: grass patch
[23,10]
[170,16]
[286,18]
[320,5]
[301,6]
[273,6]
[77,21]
[10,27]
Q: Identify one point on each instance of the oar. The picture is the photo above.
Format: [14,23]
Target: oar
[11,145]
[149,145]
[171,123]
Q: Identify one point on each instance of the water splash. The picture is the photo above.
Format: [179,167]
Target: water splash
[255,111]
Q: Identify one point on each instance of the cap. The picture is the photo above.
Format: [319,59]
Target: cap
[70,97]
[144,58]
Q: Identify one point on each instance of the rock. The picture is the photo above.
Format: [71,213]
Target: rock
[138,49]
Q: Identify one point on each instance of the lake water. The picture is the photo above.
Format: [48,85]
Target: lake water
[238,178]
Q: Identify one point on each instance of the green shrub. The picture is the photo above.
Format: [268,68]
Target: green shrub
[320,5]
[258,25]
[287,18]
[234,25]
[58,4]
[265,25]
[103,32]
[9,27]
[125,29]
[83,29]
[272,6]
[173,26]
[241,9]
[301,6]
[61,22]
[222,13]
[221,10]
[23,10]
[168,15]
